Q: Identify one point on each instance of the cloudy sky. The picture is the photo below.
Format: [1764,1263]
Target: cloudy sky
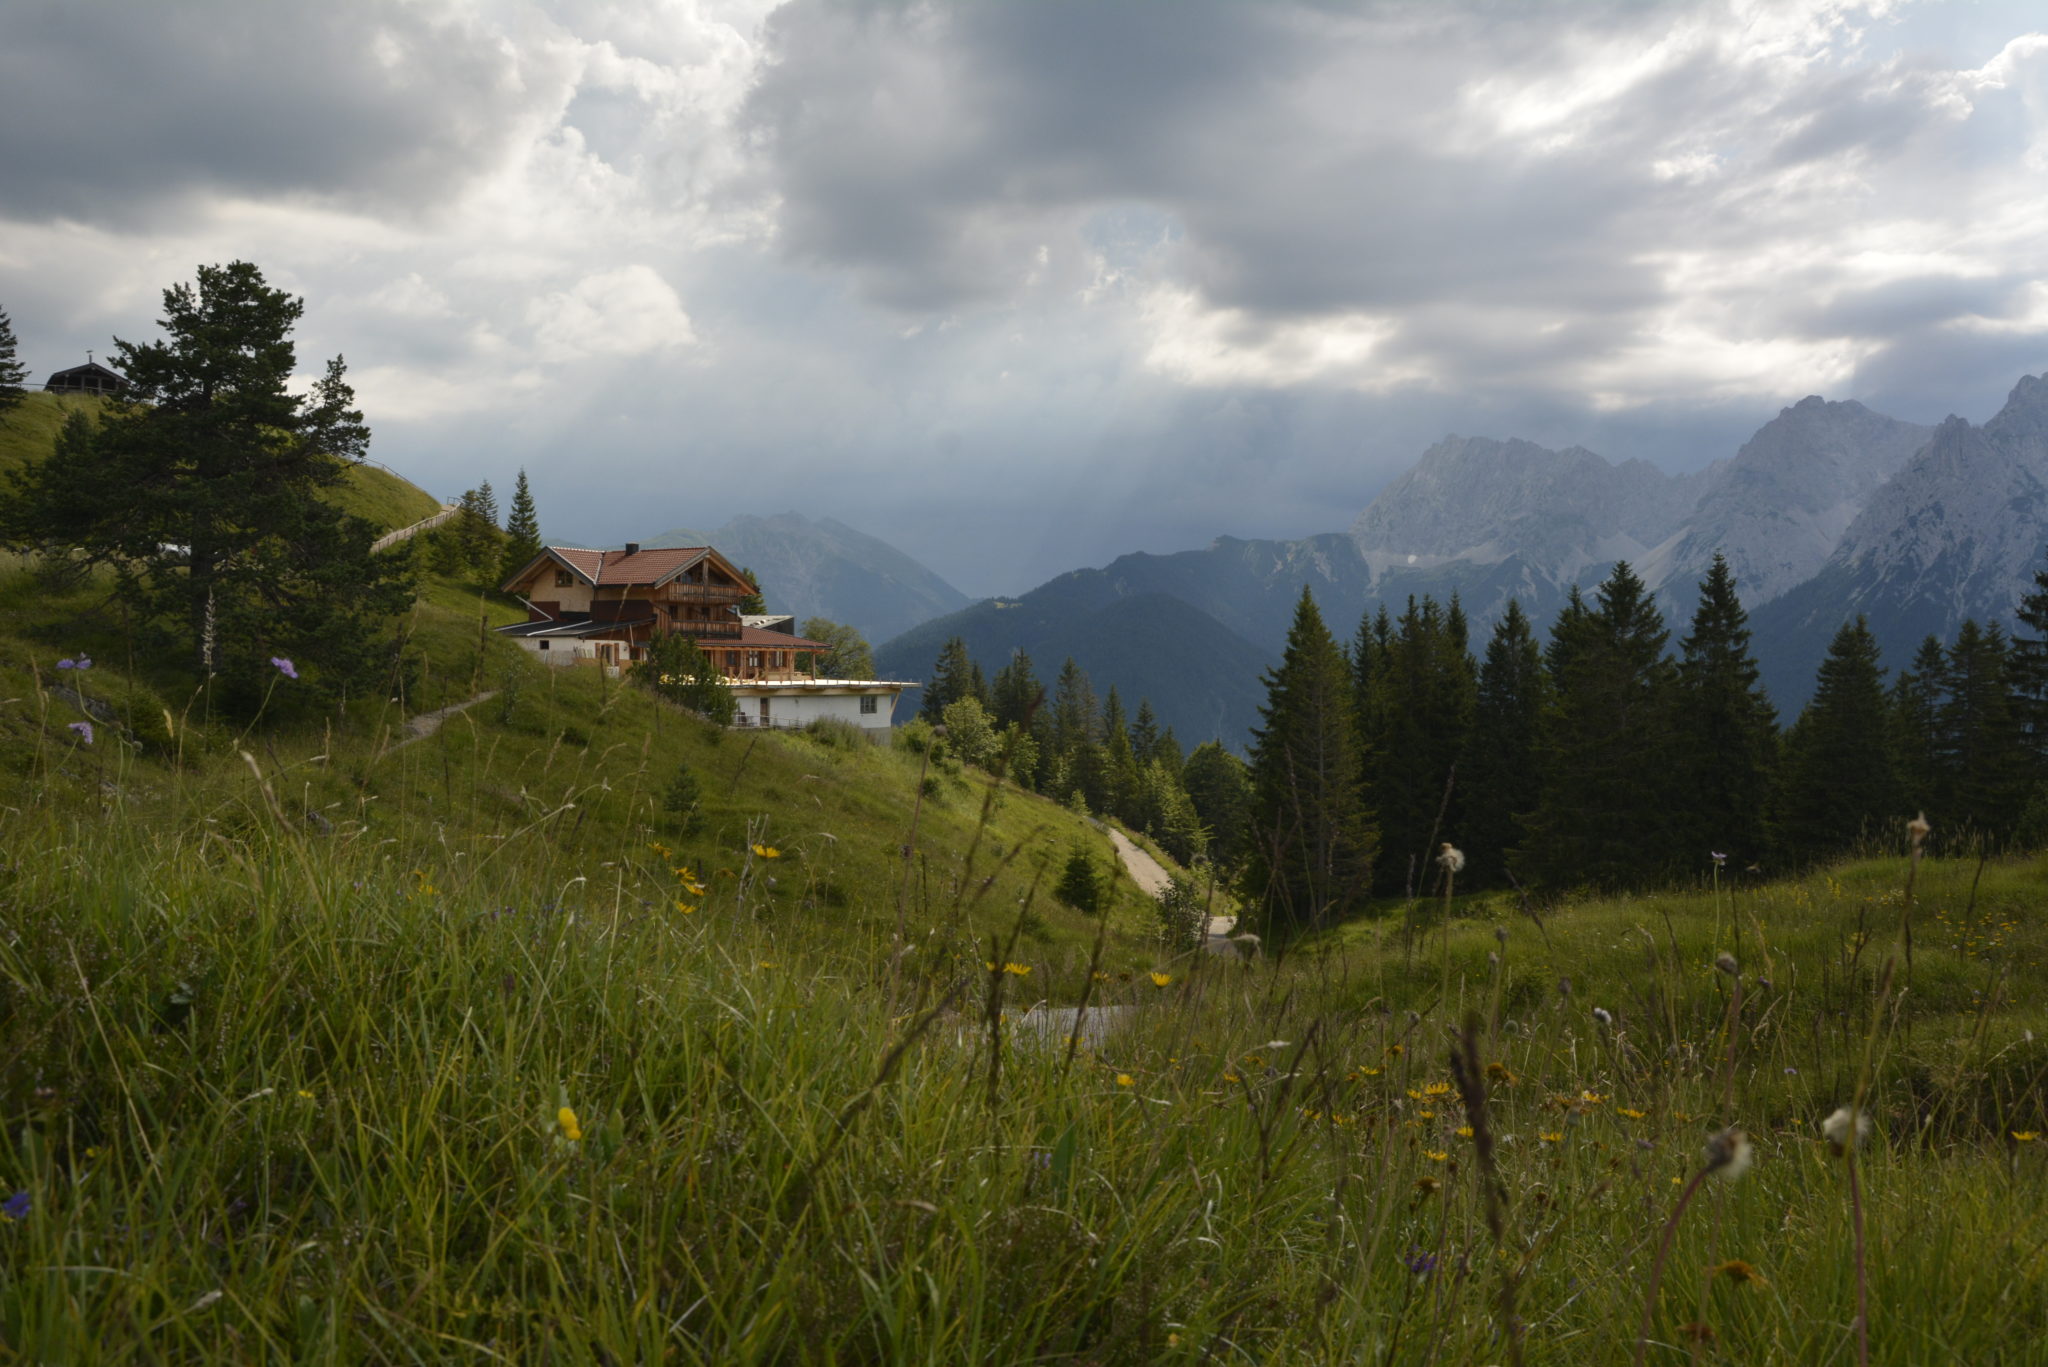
[1021,286]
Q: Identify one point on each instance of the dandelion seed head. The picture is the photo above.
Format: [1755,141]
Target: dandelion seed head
[1726,963]
[1917,829]
[1450,858]
[1729,1154]
[1603,1015]
[1844,1127]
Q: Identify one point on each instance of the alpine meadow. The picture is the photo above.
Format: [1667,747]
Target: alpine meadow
[1362,684]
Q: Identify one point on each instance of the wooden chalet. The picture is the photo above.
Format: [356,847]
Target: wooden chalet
[604,607]
[90,378]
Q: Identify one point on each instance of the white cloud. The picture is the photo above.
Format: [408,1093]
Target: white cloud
[629,311]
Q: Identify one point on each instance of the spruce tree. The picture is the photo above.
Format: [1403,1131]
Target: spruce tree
[522,530]
[1727,730]
[1016,698]
[1918,696]
[1118,794]
[2027,666]
[13,374]
[1421,700]
[1311,837]
[1839,778]
[206,492]
[1501,778]
[487,505]
[1604,818]
[1219,786]
[1145,733]
[756,602]
[952,679]
[1980,737]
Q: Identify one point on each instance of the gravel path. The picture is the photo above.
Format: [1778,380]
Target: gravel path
[1151,876]
[427,723]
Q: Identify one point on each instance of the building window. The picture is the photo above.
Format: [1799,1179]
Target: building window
[564,579]
[732,659]
[753,659]
[543,645]
[867,704]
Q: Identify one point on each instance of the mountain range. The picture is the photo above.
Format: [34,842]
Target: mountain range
[1827,511]
[825,568]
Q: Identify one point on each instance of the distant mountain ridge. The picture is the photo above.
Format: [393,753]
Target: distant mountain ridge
[1829,510]
[824,568]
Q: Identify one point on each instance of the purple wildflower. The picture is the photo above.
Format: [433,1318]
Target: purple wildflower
[284,666]
[67,664]
[83,729]
[1420,1261]
[1717,856]
[16,1207]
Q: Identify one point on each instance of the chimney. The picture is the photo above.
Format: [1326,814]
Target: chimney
[632,548]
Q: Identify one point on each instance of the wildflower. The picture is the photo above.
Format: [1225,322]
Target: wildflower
[1718,857]
[16,1207]
[83,730]
[1737,1271]
[1726,963]
[1603,1016]
[1591,1098]
[1395,1051]
[1437,1089]
[1126,1080]
[1232,1078]
[284,666]
[1729,1154]
[1629,1114]
[305,1094]
[2026,1136]
[67,664]
[1436,1155]
[767,851]
[571,1129]
[1161,979]
[1464,1131]
[1099,976]
[1917,829]
[1427,1185]
[1498,1072]
[1839,1127]
[686,908]
[661,851]
[1017,970]
[1426,1115]
[1368,1072]
[1552,1137]
[1420,1261]
[1450,858]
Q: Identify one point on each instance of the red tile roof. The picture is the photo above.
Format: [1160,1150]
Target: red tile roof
[755,638]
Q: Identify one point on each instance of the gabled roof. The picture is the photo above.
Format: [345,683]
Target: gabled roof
[753,638]
[650,566]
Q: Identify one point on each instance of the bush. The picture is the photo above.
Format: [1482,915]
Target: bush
[1081,882]
[681,801]
[677,670]
[836,733]
[1183,916]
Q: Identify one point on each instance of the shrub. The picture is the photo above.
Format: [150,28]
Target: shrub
[835,733]
[677,670]
[681,800]
[1183,915]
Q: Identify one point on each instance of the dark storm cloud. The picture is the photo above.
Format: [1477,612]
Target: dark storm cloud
[109,113]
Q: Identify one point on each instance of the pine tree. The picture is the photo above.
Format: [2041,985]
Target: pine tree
[1918,695]
[756,602]
[1839,780]
[1145,733]
[13,374]
[2027,666]
[1980,737]
[952,679]
[206,495]
[487,505]
[1016,697]
[1311,837]
[522,531]
[1604,818]
[1727,729]
[1219,786]
[472,532]
[1421,700]
[1501,777]
[1118,794]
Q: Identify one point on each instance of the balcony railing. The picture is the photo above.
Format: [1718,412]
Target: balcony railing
[683,592]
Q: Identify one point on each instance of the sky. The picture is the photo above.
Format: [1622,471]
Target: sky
[1020,287]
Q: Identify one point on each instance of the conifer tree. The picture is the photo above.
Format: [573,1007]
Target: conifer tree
[1501,777]
[1839,777]
[1917,697]
[522,530]
[2027,666]
[1074,709]
[756,602]
[1219,786]
[1145,733]
[1118,790]
[1421,699]
[1604,816]
[1311,838]
[1980,737]
[952,679]
[1727,729]
[487,505]
[472,534]
[204,491]
[12,372]
[1015,697]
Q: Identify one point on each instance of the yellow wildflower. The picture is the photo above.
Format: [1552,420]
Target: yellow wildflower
[1427,1185]
[305,1095]
[1126,1080]
[1436,1155]
[1552,1137]
[1464,1131]
[1099,976]
[1017,970]
[1498,1072]
[1426,1115]
[1414,1095]
[1737,1271]
[571,1130]
[1395,1051]
[1161,979]
[1232,1077]
[661,851]
[1437,1089]
[2026,1136]
[686,908]
[1591,1098]
[1370,1072]
[767,851]
[1632,1115]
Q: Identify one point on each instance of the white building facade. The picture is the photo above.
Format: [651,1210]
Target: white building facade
[869,704]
